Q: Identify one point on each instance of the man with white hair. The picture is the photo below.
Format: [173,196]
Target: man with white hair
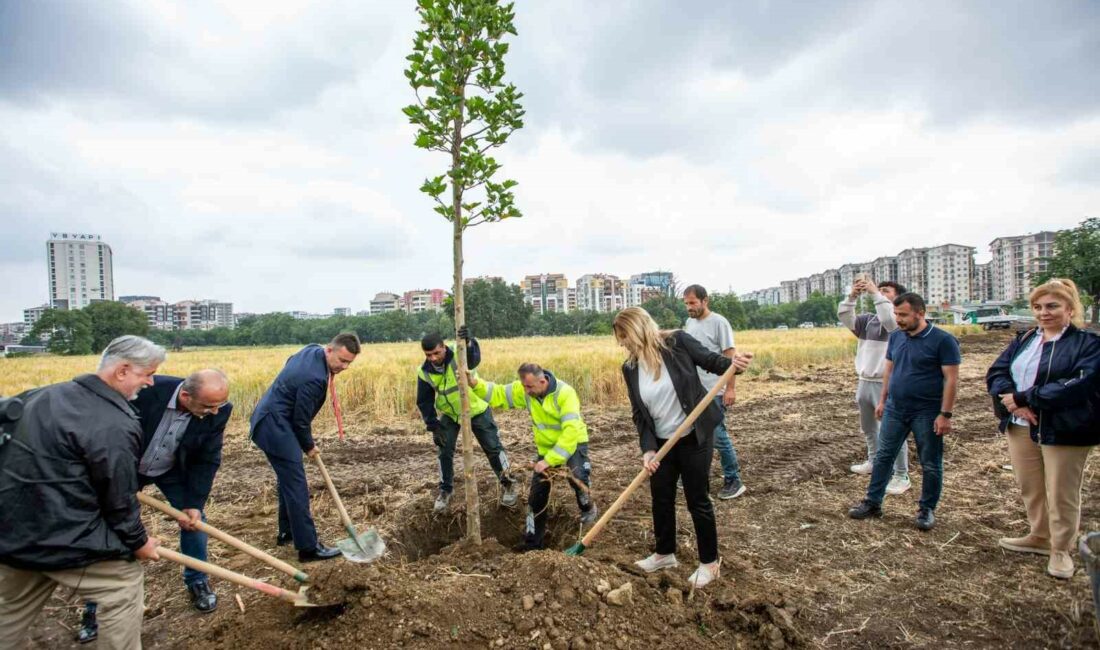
[68,479]
[183,425]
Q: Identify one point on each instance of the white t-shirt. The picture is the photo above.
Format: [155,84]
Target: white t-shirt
[659,397]
[716,335]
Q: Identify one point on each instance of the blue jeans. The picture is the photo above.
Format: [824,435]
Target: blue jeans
[192,542]
[892,432]
[731,468]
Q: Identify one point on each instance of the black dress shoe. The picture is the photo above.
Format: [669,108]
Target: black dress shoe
[925,519]
[89,628]
[282,539]
[202,597]
[865,510]
[322,552]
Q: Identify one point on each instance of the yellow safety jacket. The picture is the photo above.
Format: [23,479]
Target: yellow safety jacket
[555,418]
[445,385]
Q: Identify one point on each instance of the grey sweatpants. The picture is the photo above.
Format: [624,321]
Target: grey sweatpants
[867,394]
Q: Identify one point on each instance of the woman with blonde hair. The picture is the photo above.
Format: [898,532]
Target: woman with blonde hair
[664,386]
[1046,390]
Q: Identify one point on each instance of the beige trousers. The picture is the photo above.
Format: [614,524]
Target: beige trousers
[1050,478]
[118,586]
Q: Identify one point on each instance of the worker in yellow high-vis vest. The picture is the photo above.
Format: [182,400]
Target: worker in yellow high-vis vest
[560,436]
[438,400]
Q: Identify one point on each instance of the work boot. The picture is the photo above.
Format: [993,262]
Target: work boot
[89,628]
[320,552]
[731,489]
[865,510]
[925,520]
[282,539]
[1060,565]
[591,515]
[508,496]
[441,501]
[1026,544]
[202,597]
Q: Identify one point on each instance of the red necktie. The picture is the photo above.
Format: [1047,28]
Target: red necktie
[336,405]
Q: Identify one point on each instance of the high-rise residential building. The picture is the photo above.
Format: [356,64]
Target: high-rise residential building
[983,282]
[913,270]
[950,270]
[341,311]
[601,292]
[80,270]
[847,274]
[32,314]
[802,289]
[885,269]
[831,282]
[202,315]
[817,283]
[160,314]
[420,300]
[788,292]
[385,301]
[1015,262]
[548,292]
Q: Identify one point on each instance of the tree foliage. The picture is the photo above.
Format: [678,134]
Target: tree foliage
[494,309]
[69,332]
[110,320]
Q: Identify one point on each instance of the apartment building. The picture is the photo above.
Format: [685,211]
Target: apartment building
[80,270]
[601,292]
[950,272]
[1015,262]
[548,292]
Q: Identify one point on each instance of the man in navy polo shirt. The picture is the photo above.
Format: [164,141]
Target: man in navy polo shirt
[918,393]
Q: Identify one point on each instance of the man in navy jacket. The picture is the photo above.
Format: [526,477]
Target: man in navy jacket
[182,426]
[282,428]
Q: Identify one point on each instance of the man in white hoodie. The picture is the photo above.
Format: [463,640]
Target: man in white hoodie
[873,330]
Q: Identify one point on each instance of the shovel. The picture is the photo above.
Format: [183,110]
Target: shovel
[358,548]
[298,598]
[643,475]
[270,560]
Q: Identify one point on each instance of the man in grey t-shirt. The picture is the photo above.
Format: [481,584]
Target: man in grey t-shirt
[715,333]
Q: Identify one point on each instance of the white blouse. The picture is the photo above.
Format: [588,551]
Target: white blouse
[1025,367]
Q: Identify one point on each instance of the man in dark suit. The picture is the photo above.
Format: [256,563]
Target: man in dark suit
[182,425]
[282,427]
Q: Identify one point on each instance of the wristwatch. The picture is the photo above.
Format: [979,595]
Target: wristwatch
[946,414]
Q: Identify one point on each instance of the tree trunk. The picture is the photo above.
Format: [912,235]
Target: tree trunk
[1096,310]
[473,512]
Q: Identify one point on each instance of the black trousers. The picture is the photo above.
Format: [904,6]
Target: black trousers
[539,496]
[688,461]
[487,435]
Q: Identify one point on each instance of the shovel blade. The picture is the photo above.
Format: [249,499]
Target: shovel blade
[575,550]
[365,547]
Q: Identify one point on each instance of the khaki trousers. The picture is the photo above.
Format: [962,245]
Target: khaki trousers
[1050,478]
[118,586]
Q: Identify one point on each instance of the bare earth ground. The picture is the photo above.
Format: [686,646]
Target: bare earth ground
[796,571]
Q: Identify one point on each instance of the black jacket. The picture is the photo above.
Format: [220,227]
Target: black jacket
[1066,394]
[68,478]
[425,392]
[200,451]
[683,354]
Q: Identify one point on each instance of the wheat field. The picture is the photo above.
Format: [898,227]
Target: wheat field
[381,384]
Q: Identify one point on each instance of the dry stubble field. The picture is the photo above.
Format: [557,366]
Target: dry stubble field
[796,571]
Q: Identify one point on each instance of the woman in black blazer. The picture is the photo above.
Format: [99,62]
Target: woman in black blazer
[664,386]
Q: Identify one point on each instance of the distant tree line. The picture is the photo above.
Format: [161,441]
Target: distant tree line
[495,310]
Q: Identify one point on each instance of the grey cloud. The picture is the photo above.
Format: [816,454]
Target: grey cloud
[56,50]
[1081,170]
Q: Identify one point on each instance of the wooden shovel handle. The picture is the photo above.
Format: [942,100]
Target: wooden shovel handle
[344,518]
[661,453]
[271,560]
[231,576]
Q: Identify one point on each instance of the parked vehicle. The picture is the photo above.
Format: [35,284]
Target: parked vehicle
[806,325]
[782,327]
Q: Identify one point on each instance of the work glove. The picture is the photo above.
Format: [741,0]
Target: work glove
[464,333]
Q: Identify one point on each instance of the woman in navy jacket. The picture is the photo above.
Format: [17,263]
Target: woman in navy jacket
[1046,391]
[663,386]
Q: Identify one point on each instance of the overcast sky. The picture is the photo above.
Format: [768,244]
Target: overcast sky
[257,153]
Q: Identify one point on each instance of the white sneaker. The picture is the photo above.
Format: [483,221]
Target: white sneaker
[898,485]
[704,575]
[657,562]
[863,468]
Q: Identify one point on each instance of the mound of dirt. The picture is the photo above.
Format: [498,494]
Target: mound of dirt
[466,595]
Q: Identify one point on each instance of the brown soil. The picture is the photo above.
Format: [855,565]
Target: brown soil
[796,571]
